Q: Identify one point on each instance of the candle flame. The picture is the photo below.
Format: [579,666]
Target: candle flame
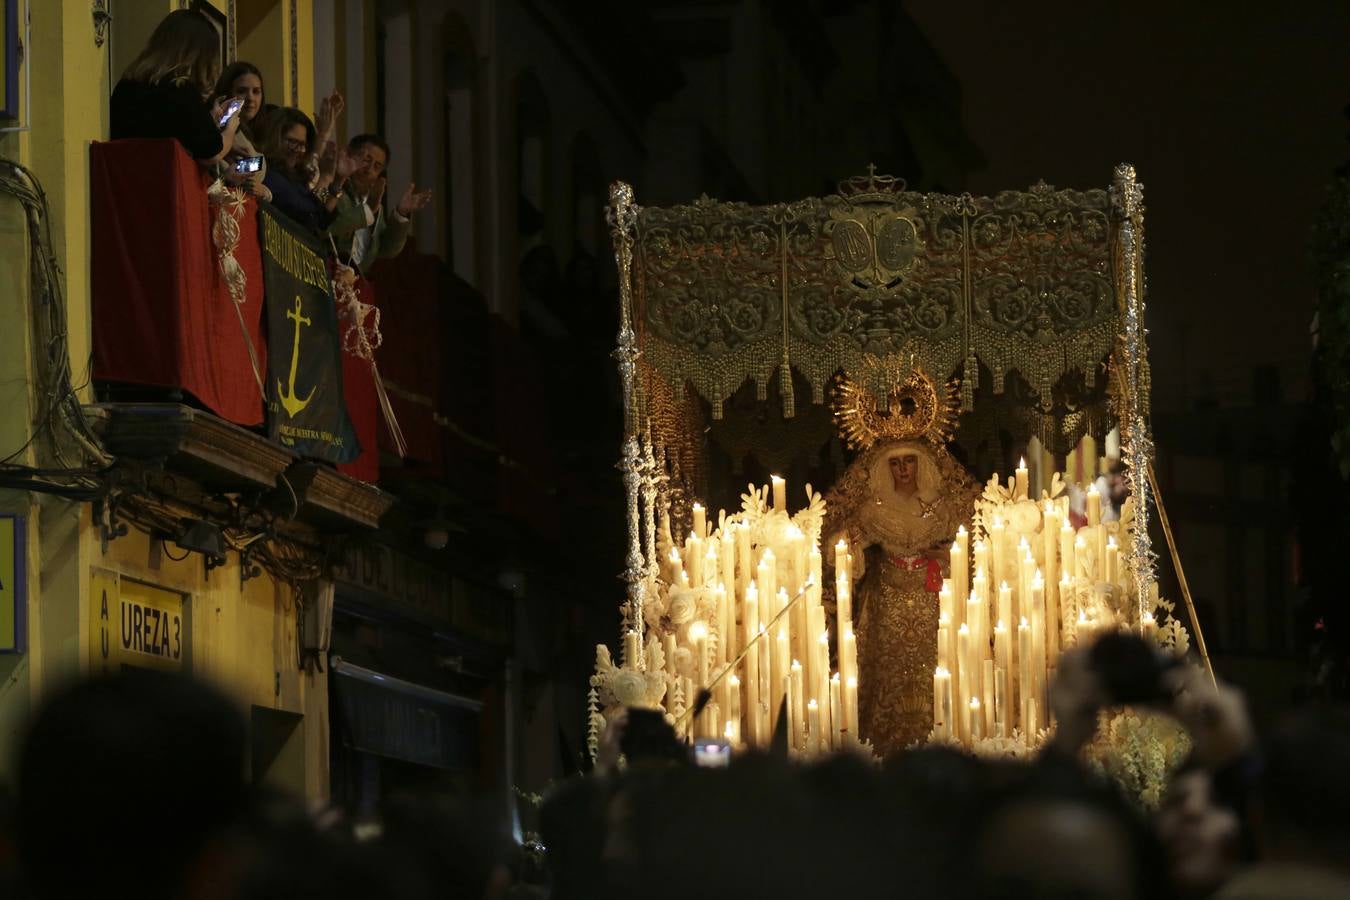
[1082,617]
[853,681]
[825,637]
[974,702]
[776,479]
[835,678]
[1037,580]
[1079,542]
[768,557]
[1092,490]
[848,633]
[794,533]
[998,521]
[1025,623]
[698,631]
[812,705]
[960,529]
[964,629]
[1003,586]
[1110,542]
[1148,617]
[733,681]
[698,507]
[796,666]
[731,730]
[1000,626]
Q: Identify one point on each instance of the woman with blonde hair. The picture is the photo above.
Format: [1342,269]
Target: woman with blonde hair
[164,92]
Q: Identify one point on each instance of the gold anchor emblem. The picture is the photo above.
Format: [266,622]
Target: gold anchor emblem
[289,401]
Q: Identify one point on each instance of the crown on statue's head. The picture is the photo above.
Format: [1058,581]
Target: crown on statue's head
[915,406]
[872,186]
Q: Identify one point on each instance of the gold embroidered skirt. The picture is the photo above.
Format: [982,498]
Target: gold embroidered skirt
[897,651]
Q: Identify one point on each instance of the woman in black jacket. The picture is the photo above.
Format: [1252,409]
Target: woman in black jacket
[163,93]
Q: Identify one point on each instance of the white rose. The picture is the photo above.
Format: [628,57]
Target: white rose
[682,606]
[1024,517]
[629,688]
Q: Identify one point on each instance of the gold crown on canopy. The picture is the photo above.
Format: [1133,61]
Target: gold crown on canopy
[916,408]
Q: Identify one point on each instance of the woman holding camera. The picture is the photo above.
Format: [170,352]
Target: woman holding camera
[243,81]
[163,93]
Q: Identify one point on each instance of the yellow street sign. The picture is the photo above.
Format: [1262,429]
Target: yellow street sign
[134,624]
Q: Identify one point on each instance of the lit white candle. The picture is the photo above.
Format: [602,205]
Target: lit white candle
[779,493]
[1001,717]
[848,672]
[976,724]
[694,554]
[964,676]
[1039,665]
[631,649]
[998,539]
[987,695]
[734,703]
[942,702]
[851,709]
[1094,506]
[1002,646]
[813,727]
[1025,656]
[1112,561]
[837,731]
[960,576]
[752,673]
[945,602]
[1005,607]
[1031,718]
[798,707]
[1020,483]
[1149,627]
[983,562]
[700,521]
[1068,607]
[1067,559]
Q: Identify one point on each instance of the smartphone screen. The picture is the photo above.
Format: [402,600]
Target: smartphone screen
[248,165]
[712,754]
[233,107]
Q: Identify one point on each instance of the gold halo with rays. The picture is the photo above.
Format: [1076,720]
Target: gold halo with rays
[916,407]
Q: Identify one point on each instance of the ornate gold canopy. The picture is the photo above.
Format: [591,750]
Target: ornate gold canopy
[1018,282]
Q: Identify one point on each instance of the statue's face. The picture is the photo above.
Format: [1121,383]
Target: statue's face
[905,471]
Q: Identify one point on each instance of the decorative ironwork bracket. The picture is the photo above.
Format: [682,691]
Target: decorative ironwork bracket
[102,18]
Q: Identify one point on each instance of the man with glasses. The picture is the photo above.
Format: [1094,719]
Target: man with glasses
[361,231]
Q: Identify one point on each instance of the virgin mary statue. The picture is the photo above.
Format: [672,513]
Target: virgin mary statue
[899,504]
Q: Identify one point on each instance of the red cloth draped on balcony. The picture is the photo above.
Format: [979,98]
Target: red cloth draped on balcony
[162,313]
[408,290]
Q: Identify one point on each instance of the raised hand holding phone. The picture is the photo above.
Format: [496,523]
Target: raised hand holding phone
[227,111]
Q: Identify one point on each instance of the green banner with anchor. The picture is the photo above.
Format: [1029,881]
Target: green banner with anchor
[306,411]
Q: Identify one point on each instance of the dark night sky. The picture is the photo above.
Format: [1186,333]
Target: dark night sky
[1232,115]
